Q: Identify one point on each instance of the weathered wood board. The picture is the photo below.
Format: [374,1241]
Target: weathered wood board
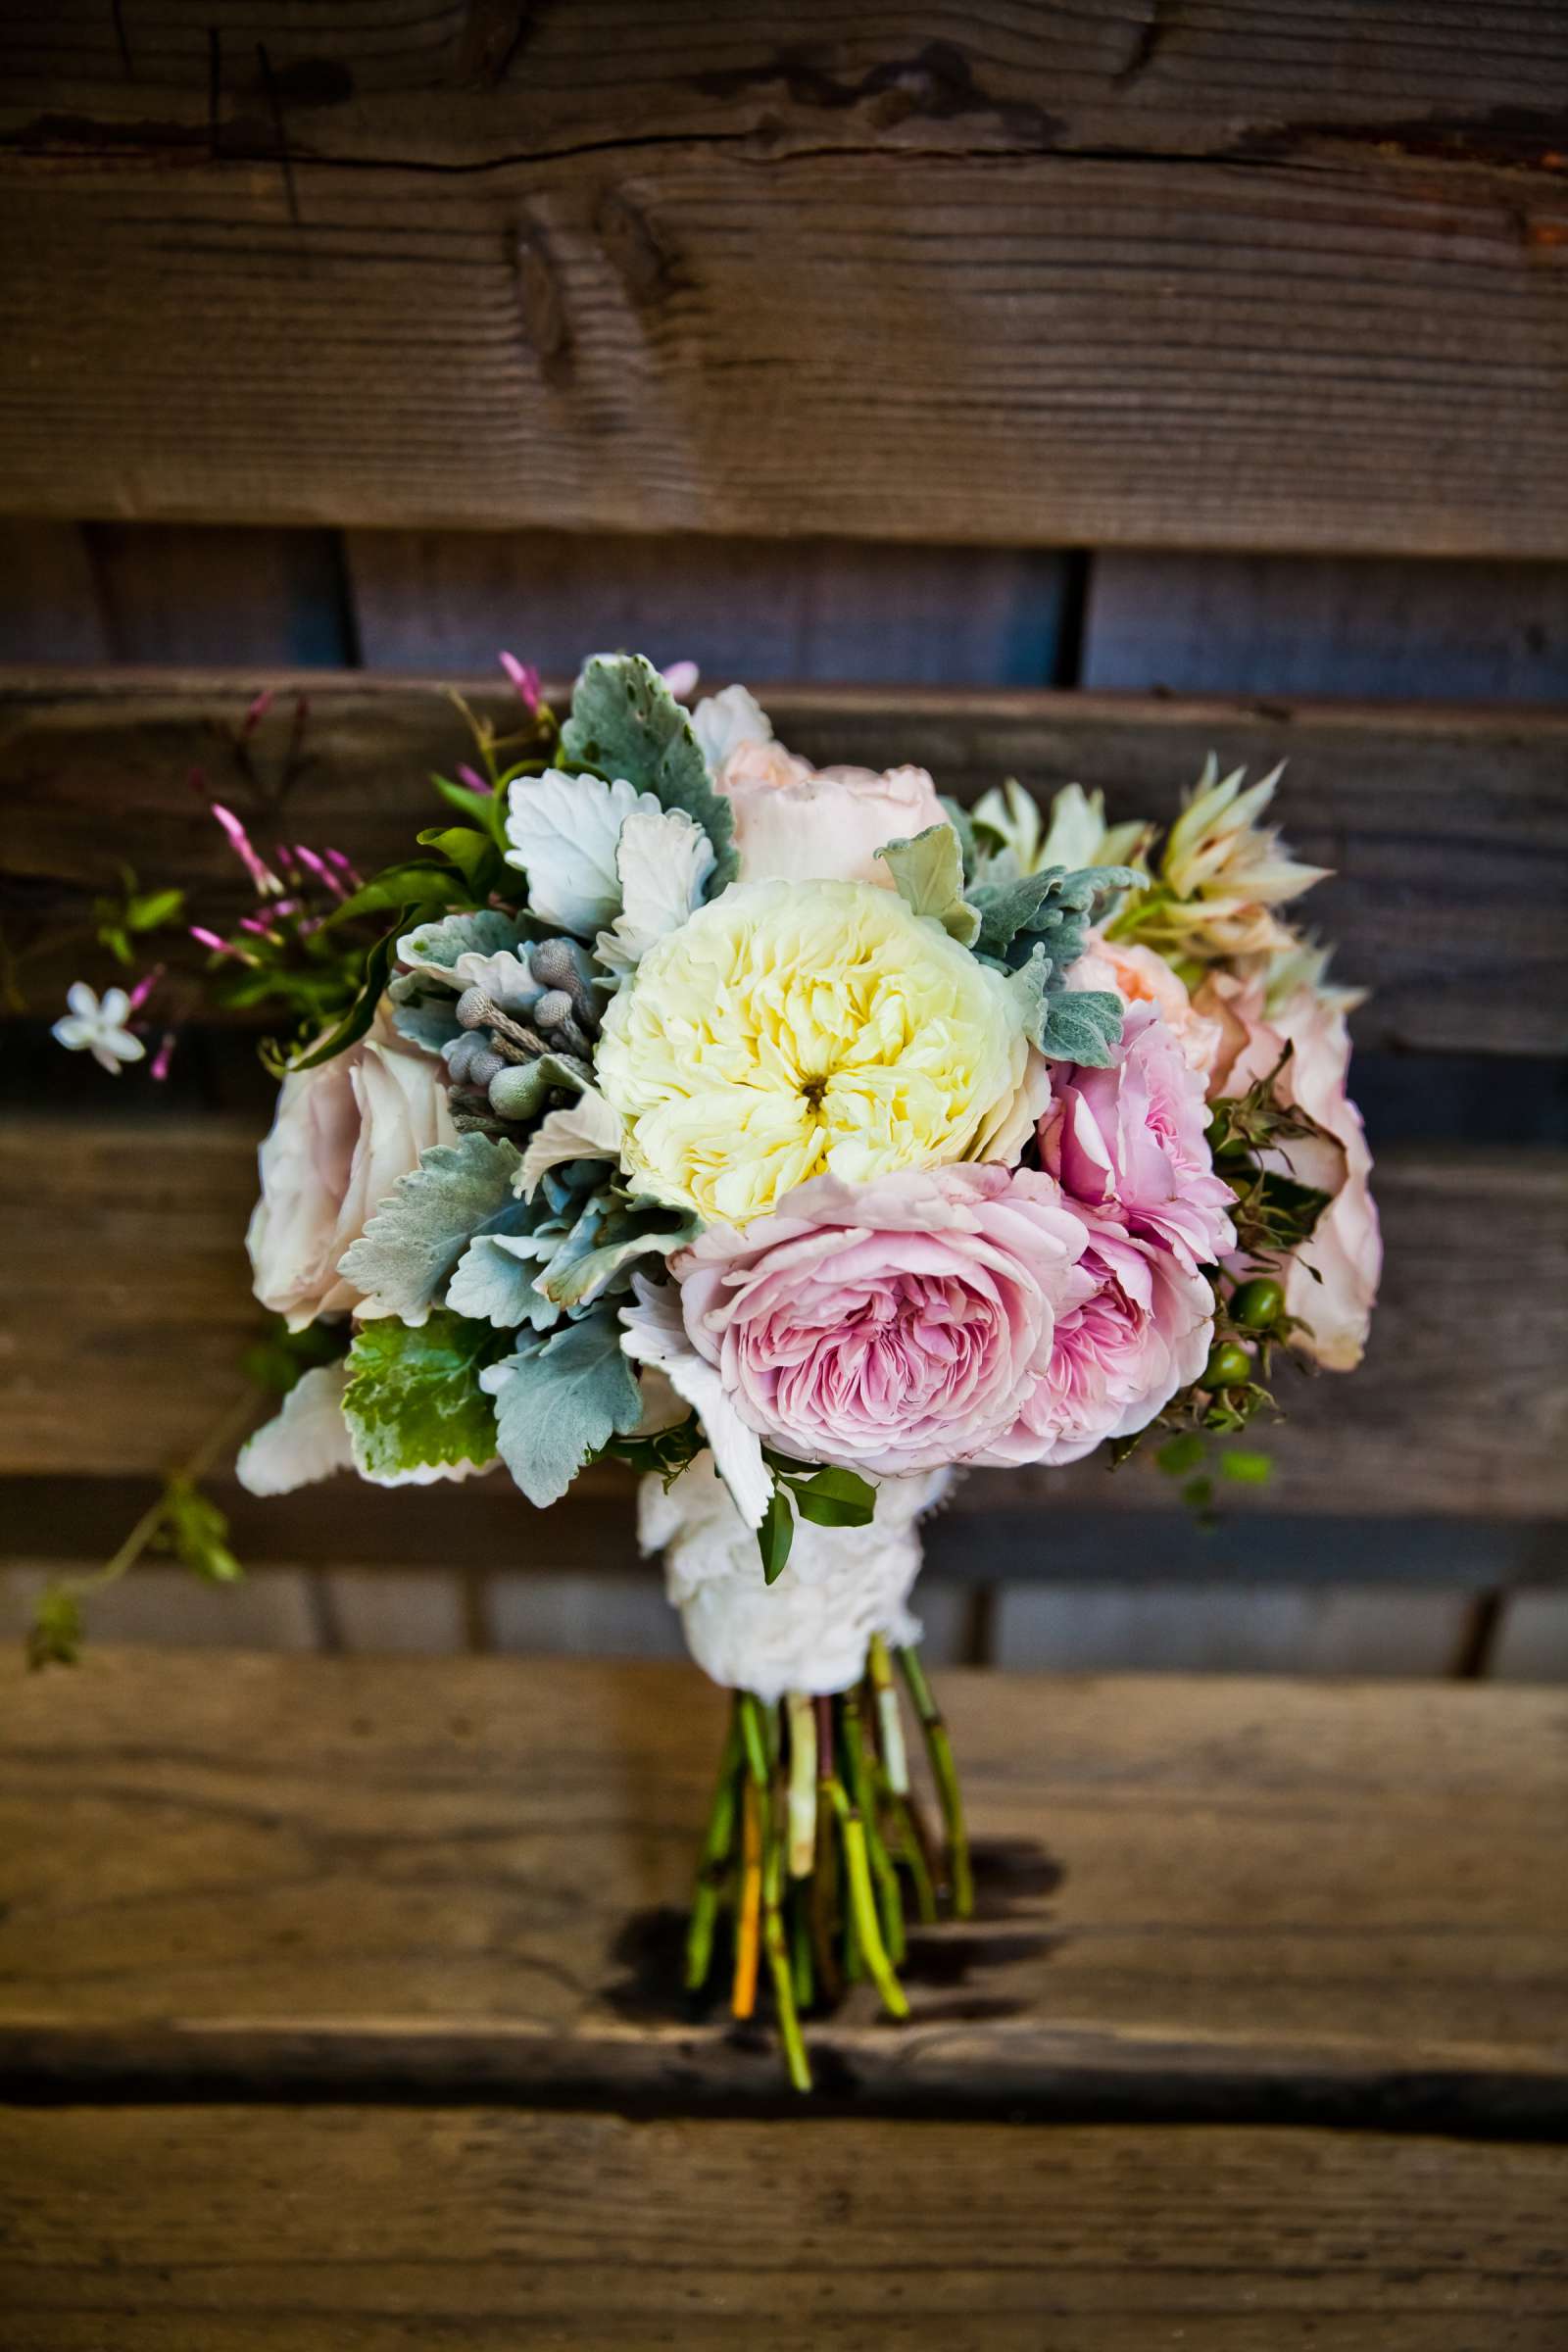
[127,1312]
[1448,830]
[1037,275]
[1228,1898]
[224,2229]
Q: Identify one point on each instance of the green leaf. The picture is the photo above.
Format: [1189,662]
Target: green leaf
[835,1498]
[413,1399]
[117,940]
[580,1271]
[196,1532]
[421,1229]
[928,875]
[361,1013]
[281,1357]
[1247,1469]
[55,1635]
[153,907]
[560,1404]
[483,808]
[626,723]
[474,855]
[776,1536]
[418,888]
[1180,1455]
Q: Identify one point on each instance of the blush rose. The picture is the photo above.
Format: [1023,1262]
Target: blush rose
[892,1326]
[1331,1282]
[341,1136]
[1131,1141]
[798,823]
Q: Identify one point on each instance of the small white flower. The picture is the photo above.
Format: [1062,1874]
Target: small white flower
[99,1029]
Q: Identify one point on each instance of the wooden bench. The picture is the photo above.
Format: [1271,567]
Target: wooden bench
[338,2005]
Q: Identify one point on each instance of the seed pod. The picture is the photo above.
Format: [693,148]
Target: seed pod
[554,964]
[1258,1305]
[1228,1365]
[514,1092]
[474,1008]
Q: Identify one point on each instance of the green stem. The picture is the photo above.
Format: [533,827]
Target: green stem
[862,1796]
[779,1954]
[938,1749]
[803,1785]
[890,1724]
[862,1901]
[718,1840]
[911,1853]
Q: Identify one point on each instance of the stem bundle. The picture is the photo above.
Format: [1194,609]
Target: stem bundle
[816,1850]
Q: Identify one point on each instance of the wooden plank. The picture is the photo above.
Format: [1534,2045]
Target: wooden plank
[169,1605]
[1243,282]
[808,609]
[222,2229]
[124,1321]
[190,595]
[1447,829]
[130,1308]
[1532,1645]
[1232,1900]
[49,608]
[1281,624]
[1432,78]
[1111,1628]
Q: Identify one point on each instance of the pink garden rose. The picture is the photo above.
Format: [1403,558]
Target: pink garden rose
[1331,1283]
[888,1327]
[341,1136]
[1131,1141]
[1139,976]
[1121,1355]
[798,823]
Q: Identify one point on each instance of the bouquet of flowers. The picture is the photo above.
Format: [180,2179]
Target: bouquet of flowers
[801,1139]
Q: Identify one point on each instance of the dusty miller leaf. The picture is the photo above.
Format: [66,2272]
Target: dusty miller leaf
[626,722]
[928,875]
[415,1237]
[558,1405]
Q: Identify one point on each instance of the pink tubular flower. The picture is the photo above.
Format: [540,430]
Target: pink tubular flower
[526,678]
[264,880]
[1121,1355]
[1131,1141]
[892,1326]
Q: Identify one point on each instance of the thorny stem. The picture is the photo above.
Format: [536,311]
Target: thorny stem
[939,1748]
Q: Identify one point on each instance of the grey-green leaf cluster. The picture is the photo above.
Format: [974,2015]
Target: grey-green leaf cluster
[626,722]
[561,1402]
[413,1244]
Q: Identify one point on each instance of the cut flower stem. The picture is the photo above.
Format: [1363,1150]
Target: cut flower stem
[816,1861]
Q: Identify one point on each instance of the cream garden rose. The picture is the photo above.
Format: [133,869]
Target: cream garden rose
[791,1030]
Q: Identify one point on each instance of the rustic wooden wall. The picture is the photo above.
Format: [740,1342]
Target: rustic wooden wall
[968,363]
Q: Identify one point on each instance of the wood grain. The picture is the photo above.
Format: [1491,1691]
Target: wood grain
[183,594]
[124,1318]
[1268,624]
[1032,277]
[1254,1900]
[222,2230]
[827,609]
[1448,830]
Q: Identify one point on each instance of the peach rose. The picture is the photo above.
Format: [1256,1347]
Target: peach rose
[341,1136]
[1139,976]
[1331,1283]
[798,823]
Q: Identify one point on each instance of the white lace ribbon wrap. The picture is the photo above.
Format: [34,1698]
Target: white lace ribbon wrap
[810,1628]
